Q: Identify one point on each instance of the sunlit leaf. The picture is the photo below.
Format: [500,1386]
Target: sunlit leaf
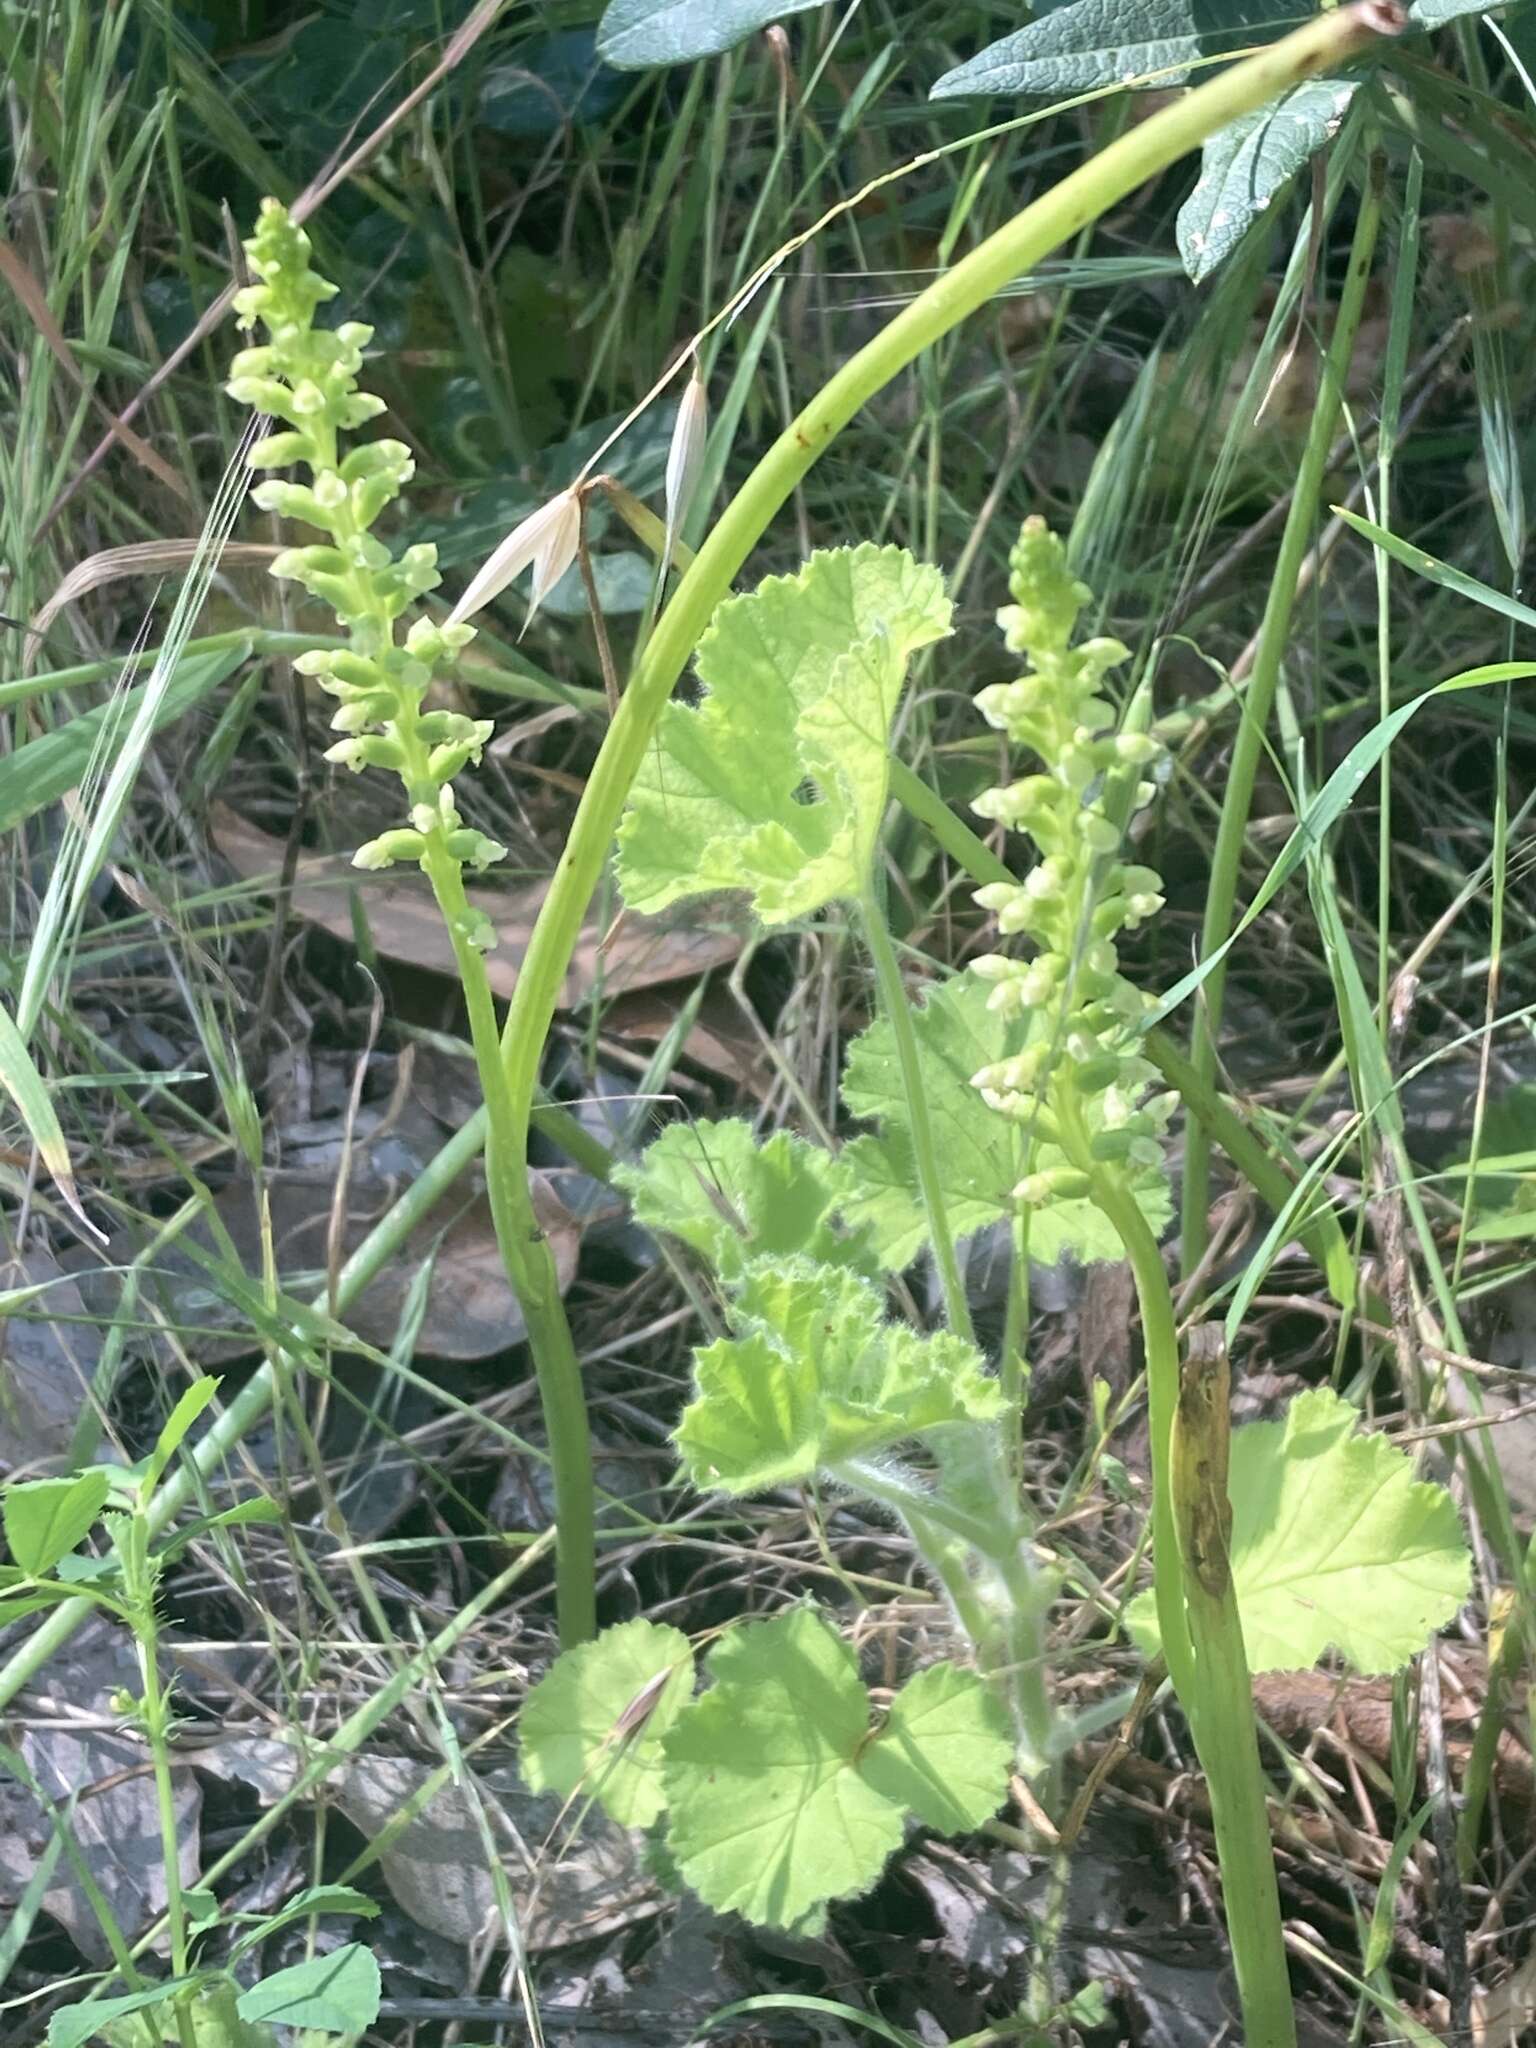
[1335,1544]
[594,1723]
[982,1156]
[780,1796]
[777,783]
[734,1200]
[815,1377]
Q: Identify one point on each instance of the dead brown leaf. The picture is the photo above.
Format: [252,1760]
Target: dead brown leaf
[407,928]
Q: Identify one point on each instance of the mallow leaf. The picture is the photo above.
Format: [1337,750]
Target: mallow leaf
[777,782]
[594,1723]
[1335,1544]
[982,1156]
[781,1796]
[816,1376]
[635,34]
[1090,44]
[944,1750]
[1245,164]
[735,1200]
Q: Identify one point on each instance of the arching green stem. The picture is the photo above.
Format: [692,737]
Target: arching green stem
[1321,45]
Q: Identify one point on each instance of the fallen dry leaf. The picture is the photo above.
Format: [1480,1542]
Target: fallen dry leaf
[471,1310]
[69,1738]
[721,1040]
[435,1865]
[406,925]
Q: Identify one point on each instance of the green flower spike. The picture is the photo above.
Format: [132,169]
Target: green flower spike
[1079,1080]
[306,376]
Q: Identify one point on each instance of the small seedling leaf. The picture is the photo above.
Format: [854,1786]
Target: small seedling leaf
[770,1816]
[177,1423]
[72,2026]
[46,1518]
[636,34]
[816,1378]
[1335,1544]
[981,1156]
[945,1751]
[316,1898]
[735,1200]
[338,1993]
[802,679]
[595,1722]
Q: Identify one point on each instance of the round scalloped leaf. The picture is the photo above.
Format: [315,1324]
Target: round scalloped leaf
[1335,1544]
[945,1751]
[817,1377]
[801,681]
[734,1200]
[595,1722]
[769,1814]
[982,1156]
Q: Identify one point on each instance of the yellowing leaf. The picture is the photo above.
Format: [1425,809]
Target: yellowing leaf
[817,1377]
[594,1723]
[735,1200]
[981,1156]
[780,1799]
[1335,1544]
[802,679]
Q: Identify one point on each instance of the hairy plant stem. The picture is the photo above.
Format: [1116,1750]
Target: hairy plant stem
[1274,636]
[1320,45]
[140,1588]
[898,1015]
[983,1563]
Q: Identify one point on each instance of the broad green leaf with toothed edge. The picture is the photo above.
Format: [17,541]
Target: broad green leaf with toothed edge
[981,1156]
[817,1377]
[1335,1544]
[594,1722]
[945,1749]
[801,679]
[782,1797]
[735,1200]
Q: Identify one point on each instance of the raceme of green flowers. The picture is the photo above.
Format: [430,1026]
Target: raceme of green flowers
[307,377]
[1080,894]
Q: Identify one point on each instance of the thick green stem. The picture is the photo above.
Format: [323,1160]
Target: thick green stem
[1274,637]
[1219,1702]
[1160,1341]
[898,1015]
[1321,45]
[519,1238]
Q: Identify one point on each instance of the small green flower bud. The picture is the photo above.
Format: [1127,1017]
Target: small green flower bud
[475,849]
[389,847]
[1111,1146]
[1093,1076]
[477,928]
[1056,1184]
